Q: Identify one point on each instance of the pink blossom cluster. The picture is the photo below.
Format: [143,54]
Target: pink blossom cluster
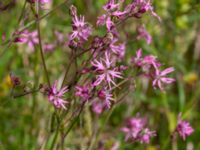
[97,77]
[150,66]
[136,130]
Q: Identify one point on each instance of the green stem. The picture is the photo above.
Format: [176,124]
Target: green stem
[54,139]
[41,51]
[95,139]
[74,121]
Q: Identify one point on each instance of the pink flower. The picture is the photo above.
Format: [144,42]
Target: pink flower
[102,102]
[59,37]
[81,29]
[118,48]
[83,92]
[146,136]
[30,38]
[110,5]
[101,20]
[183,128]
[138,59]
[105,71]
[44,1]
[160,77]
[110,24]
[144,6]
[40,1]
[135,130]
[55,96]
[143,34]
[48,47]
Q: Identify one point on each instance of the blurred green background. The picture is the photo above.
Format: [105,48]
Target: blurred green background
[25,121]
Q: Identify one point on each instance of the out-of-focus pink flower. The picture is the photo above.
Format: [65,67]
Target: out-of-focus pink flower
[101,20]
[110,24]
[55,96]
[48,47]
[83,92]
[137,60]
[105,71]
[146,136]
[135,130]
[183,128]
[118,48]
[144,6]
[102,102]
[40,1]
[110,6]
[44,1]
[59,36]
[148,63]
[143,34]
[30,38]
[81,29]
[133,127]
[160,77]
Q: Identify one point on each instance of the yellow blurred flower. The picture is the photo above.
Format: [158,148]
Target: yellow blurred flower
[191,78]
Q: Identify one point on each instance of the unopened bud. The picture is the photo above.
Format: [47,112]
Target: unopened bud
[73,11]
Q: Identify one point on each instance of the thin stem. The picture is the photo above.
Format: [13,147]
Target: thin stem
[68,67]
[22,12]
[54,139]
[41,51]
[95,139]
[74,121]
[26,93]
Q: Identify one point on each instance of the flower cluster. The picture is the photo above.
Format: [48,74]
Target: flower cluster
[136,130]
[97,77]
[151,68]
[113,9]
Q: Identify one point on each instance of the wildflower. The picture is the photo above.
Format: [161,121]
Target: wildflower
[59,37]
[103,101]
[142,33]
[110,6]
[101,20]
[151,60]
[105,71]
[40,1]
[44,1]
[81,30]
[30,38]
[135,130]
[133,127]
[55,96]
[118,49]
[183,128]
[83,92]
[49,47]
[160,77]
[146,136]
[144,6]
[138,59]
